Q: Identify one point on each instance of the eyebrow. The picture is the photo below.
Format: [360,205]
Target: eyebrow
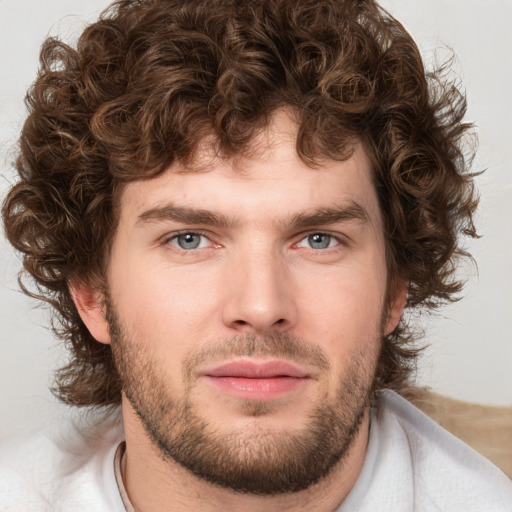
[186,216]
[193,216]
[331,215]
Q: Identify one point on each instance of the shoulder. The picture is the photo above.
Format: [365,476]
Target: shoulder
[446,474]
[60,469]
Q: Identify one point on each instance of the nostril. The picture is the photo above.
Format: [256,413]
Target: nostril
[244,323]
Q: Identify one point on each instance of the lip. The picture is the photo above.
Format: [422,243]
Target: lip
[255,380]
[256,370]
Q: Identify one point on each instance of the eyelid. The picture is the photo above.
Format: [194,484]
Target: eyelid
[339,237]
[342,239]
[169,237]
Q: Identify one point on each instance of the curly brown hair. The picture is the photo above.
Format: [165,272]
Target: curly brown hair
[151,78]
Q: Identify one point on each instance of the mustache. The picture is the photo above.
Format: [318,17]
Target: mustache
[278,344]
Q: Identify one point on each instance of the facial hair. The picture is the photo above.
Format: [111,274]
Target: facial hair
[257,460]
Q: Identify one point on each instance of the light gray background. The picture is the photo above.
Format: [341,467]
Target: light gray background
[470,353]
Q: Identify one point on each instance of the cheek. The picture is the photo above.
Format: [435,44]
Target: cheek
[162,300]
[344,310]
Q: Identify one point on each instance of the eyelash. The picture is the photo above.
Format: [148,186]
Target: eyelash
[330,237]
[167,240]
[337,238]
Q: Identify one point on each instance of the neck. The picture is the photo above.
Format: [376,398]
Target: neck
[154,484]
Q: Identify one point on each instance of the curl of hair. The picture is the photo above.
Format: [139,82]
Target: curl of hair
[151,79]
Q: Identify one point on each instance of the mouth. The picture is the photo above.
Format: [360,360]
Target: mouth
[256,380]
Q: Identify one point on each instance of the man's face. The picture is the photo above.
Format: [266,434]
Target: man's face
[246,307]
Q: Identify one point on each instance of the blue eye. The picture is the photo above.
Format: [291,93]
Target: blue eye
[189,241]
[319,241]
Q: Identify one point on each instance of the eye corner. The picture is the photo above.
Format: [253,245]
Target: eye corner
[187,240]
[319,241]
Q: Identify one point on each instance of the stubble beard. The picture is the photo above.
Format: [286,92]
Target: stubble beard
[259,460]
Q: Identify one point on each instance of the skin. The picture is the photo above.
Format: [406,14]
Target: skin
[256,273]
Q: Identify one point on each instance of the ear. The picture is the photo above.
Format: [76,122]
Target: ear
[396,306]
[90,305]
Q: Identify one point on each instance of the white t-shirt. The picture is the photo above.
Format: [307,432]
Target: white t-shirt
[411,464]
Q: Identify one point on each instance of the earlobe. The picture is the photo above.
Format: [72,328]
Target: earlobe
[396,307]
[90,306]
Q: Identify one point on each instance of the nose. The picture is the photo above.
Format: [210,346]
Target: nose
[260,294]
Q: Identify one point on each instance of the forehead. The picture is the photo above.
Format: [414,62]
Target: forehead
[269,181]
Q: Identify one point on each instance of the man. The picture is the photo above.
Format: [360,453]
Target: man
[229,205]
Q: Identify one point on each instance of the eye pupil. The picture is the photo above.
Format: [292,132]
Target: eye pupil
[319,241]
[189,241]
